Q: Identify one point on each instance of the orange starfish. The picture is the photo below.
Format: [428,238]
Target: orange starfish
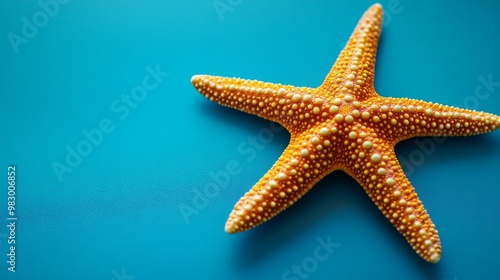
[344,125]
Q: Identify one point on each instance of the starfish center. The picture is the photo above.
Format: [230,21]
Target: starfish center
[346,109]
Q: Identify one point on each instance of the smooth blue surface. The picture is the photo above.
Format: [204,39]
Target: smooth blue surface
[119,213]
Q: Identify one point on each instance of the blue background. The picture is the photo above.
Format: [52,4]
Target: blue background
[118,215]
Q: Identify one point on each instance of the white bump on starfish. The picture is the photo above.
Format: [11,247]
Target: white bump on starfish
[304,152]
[375,157]
[281,176]
[334,109]
[367,144]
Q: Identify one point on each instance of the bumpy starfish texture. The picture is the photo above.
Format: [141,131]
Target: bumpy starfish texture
[344,125]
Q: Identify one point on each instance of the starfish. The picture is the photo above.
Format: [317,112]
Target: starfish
[344,125]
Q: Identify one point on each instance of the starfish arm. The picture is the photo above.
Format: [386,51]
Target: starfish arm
[275,102]
[398,119]
[377,170]
[306,160]
[353,72]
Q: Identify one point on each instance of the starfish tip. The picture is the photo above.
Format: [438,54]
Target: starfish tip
[195,78]
[377,8]
[435,258]
[229,229]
